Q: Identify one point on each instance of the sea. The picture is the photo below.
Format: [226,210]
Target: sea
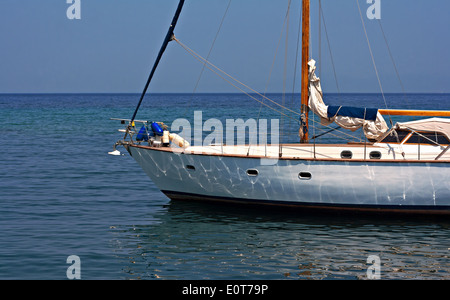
[68,210]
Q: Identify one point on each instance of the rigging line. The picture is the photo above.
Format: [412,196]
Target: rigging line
[202,60]
[273,61]
[273,64]
[329,48]
[393,63]
[212,67]
[209,53]
[373,61]
[319,67]
[286,53]
[167,39]
[320,40]
[207,58]
[350,138]
[217,71]
[324,133]
[421,135]
[392,58]
[283,98]
[328,126]
[398,75]
[296,61]
[276,50]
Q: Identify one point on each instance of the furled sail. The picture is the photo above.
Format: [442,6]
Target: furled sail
[352,118]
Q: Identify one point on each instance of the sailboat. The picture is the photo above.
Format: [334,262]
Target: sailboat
[404,168]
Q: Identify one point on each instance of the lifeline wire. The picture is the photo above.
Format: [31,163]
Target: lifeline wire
[217,71]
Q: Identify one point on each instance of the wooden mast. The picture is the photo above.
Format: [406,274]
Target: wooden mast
[305,69]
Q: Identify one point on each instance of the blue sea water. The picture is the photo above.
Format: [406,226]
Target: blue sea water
[62,195]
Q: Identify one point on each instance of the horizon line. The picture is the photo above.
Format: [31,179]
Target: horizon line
[209,93]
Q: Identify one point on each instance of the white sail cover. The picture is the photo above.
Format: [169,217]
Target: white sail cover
[372,129]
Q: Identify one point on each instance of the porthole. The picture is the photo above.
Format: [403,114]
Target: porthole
[252,172]
[190,167]
[375,155]
[347,154]
[304,176]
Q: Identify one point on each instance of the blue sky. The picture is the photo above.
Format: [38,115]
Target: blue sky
[112,48]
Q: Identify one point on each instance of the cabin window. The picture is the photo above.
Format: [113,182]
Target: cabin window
[375,155]
[347,154]
[190,167]
[252,172]
[392,137]
[304,176]
[428,138]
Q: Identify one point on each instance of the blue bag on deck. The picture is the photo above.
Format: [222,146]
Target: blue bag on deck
[143,134]
[157,129]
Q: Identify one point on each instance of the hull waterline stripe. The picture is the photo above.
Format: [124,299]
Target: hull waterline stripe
[407,209]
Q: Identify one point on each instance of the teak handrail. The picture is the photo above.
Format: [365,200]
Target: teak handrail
[405,112]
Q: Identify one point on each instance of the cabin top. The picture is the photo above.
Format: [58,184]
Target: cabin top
[434,131]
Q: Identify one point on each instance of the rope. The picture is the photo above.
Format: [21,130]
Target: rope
[283,97]
[222,74]
[212,46]
[393,63]
[296,61]
[329,47]
[207,57]
[211,67]
[273,63]
[373,61]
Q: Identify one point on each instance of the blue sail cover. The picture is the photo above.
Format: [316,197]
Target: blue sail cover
[143,134]
[369,114]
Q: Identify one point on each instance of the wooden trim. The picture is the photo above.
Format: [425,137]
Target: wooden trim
[180,151]
[425,113]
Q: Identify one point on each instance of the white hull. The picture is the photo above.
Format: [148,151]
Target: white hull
[357,184]
[407,169]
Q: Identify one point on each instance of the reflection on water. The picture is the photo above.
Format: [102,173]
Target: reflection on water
[188,240]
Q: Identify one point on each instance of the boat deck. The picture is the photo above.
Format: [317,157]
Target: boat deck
[351,151]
